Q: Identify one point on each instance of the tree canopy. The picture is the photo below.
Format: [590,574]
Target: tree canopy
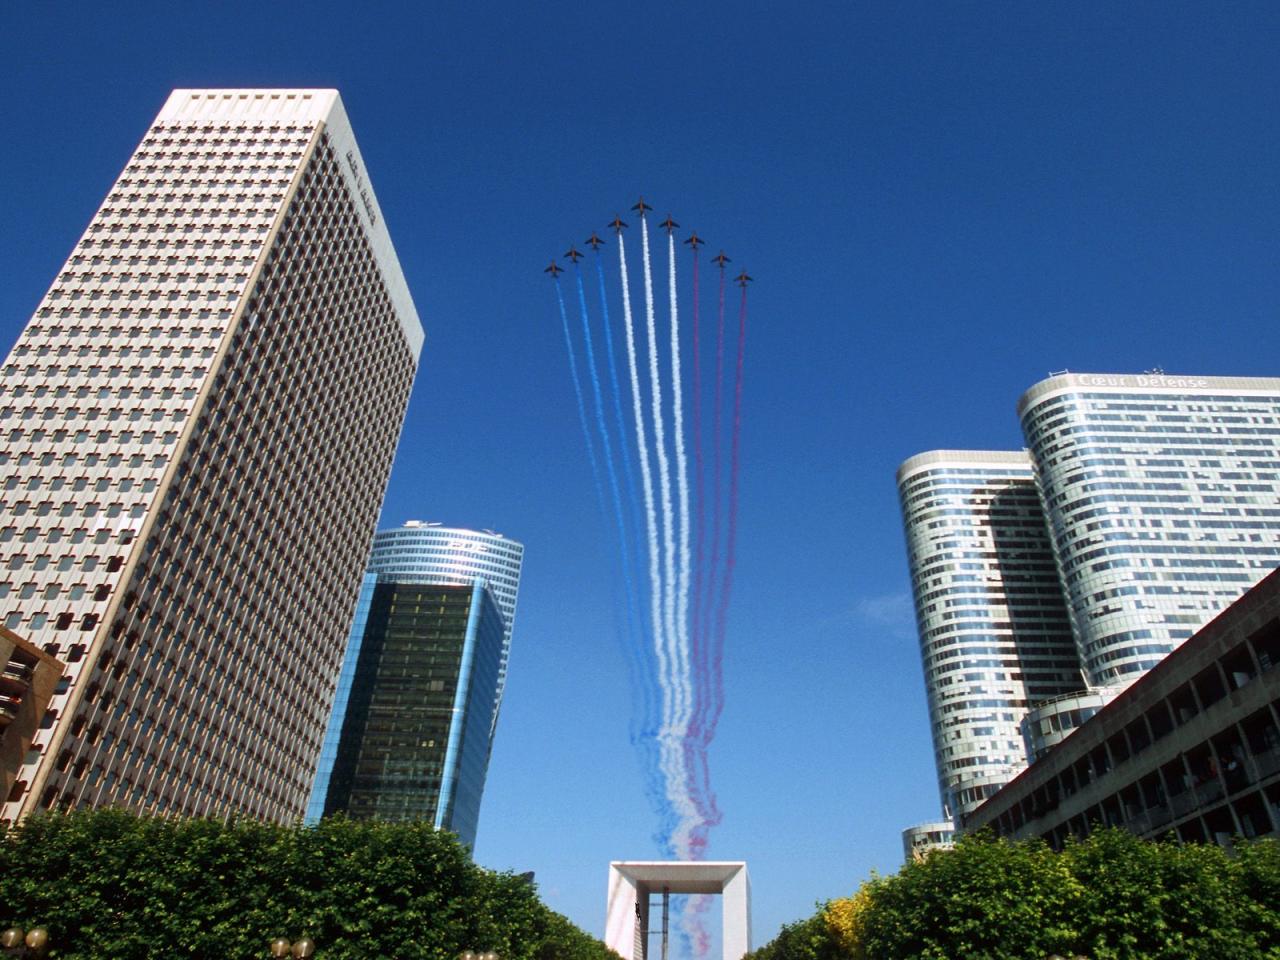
[1109,897]
[110,884]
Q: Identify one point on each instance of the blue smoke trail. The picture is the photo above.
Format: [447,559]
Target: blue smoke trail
[632,490]
[639,662]
[577,392]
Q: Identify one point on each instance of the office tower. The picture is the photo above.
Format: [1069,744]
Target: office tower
[994,635]
[1163,500]
[198,424]
[417,773]
[414,740]
[439,554]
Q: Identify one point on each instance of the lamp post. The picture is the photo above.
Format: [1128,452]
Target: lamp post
[299,949]
[32,943]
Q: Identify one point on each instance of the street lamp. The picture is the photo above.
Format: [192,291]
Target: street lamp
[299,949]
[474,955]
[32,943]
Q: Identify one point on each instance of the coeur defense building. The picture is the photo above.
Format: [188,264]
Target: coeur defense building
[198,424]
[1047,581]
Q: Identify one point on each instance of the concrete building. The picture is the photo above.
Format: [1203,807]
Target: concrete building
[1191,748]
[994,634]
[414,739]
[28,682]
[199,421]
[1163,500]
[920,839]
[634,883]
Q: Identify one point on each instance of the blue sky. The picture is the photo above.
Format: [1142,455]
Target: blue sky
[941,203]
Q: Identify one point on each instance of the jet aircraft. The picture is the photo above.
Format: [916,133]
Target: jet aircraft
[617,223]
[742,279]
[695,241]
[573,254]
[642,207]
[594,242]
[554,270]
[722,259]
[669,225]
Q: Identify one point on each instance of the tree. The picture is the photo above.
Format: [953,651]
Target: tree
[110,884]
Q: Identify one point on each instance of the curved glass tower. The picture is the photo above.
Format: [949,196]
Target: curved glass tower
[994,635]
[431,553]
[1163,500]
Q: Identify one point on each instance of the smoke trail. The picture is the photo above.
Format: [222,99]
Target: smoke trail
[664,489]
[716,496]
[646,475]
[577,392]
[726,587]
[606,446]
[682,472]
[698,646]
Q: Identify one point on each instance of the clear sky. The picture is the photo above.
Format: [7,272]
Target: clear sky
[941,203]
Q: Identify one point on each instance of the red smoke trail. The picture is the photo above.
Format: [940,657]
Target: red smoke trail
[699,652]
[709,607]
[726,585]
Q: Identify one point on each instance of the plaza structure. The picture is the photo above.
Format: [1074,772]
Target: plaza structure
[994,633]
[417,705]
[1163,500]
[198,425]
[634,883]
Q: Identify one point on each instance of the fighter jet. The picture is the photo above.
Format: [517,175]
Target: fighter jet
[742,279]
[617,223]
[695,241]
[573,254]
[642,207]
[594,242]
[669,225]
[721,260]
[554,270]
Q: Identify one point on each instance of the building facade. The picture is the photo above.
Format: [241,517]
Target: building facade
[1191,748]
[1163,500]
[994,634]
[415,736]
[434,553]
[197,426]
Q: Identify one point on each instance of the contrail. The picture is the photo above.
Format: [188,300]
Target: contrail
[577,392]
[682,487]
[607,447]
[646,477]
[716,501]
[726,587]
[698,646]
[667,579]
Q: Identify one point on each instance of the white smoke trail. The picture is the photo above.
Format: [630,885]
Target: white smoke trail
[646,477]
[664,483]
[682,488]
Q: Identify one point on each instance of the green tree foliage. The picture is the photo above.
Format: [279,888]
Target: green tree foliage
[110,884]
[1110,897]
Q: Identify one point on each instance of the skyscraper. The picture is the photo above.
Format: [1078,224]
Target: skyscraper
[415,736]
[417,706]
[994,634]
[198,425]
[1163,500]
[434,553]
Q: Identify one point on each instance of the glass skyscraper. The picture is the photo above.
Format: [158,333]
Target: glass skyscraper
[994,634]
[417,705]
[1163,500]
[198,425]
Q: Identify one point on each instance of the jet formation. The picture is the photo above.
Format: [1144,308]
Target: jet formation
[617,225]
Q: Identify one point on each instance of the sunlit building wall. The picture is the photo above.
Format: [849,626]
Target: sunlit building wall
[1163,500]
[198,423]
[994,634]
